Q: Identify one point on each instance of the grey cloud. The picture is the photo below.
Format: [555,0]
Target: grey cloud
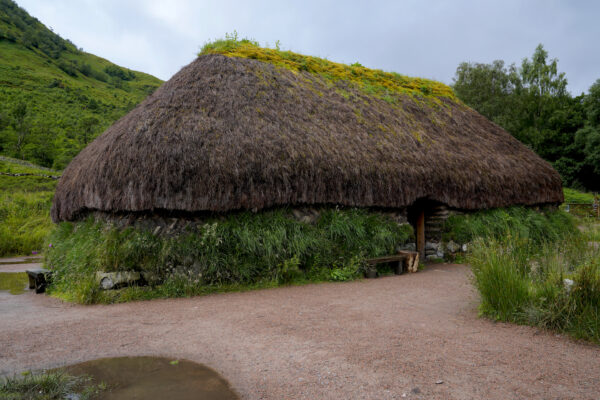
[416,38]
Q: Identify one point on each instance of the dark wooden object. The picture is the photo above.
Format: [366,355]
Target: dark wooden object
[38,279]
[420,234]
[403,261]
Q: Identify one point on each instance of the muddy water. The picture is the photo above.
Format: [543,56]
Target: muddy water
[154,378]
[14,282]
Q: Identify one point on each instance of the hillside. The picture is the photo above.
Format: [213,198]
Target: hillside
[26,192]
[56,98]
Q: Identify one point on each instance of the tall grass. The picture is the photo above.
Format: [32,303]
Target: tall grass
[237,251]
[24,221]
[575,196]
[48,386]
[552,283]
[499,223]
[25,203]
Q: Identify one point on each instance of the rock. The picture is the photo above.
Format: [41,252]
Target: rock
[306,215]
[534,266]
[307,219]
[407,247]
[452,246]
[432,257]
[439,254]
[431,246]
[297,213]
[110,280]
[568,283]
[150,277]
[464,248]
[415,390]
[439,382]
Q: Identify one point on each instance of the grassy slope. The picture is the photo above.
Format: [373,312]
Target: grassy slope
[24,207]
[58,103]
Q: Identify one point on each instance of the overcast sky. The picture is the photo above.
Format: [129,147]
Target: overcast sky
[413,37]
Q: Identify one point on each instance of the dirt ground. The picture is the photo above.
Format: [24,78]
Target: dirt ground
[413,336]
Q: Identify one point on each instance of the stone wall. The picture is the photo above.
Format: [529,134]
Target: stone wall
[169,225]
[435,218]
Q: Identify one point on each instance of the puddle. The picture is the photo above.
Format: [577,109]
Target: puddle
[14,282]
[154,378]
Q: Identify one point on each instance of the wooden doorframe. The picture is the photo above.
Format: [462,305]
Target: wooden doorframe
[420,234]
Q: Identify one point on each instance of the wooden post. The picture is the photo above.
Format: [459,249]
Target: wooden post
[420,235]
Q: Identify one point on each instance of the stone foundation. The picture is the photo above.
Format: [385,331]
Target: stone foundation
[169,226]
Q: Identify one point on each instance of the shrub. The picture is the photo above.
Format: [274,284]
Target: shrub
[238,250]
[498,223]
[522,281]
[575,196]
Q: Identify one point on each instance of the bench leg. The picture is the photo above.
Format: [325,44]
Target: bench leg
[40,284]
[31,281]
[399,267]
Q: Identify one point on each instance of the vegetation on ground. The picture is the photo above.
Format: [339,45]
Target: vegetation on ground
[533,104]
[234,252]
[575,196]
[52,385]
[56,98]
[25,203]
[534,268]
[537,227]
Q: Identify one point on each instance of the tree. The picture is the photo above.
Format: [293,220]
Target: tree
[591,104]
[586,146]
[533,104]
[545,94]
[87,128]
[19,125]
[488,88]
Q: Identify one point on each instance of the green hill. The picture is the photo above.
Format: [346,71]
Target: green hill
[55,97]
[26,192]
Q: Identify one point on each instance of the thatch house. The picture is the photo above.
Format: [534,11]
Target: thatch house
[243,127]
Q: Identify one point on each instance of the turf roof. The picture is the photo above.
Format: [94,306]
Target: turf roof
[372,81]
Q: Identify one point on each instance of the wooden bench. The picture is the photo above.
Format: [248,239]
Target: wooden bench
[402,261]
[38,279]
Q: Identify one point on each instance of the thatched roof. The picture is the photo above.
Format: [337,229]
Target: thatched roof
[229,132]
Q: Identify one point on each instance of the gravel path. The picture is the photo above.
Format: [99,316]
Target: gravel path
[387,338]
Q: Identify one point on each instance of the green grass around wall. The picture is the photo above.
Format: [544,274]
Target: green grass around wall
[243,250]
[575,196]
[535,268]
[512,221]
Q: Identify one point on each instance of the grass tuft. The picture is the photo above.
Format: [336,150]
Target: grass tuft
[552,284]
[54,385]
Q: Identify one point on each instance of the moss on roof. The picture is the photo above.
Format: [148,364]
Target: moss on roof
[371,81]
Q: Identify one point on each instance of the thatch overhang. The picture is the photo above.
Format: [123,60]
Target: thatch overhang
[230,133]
